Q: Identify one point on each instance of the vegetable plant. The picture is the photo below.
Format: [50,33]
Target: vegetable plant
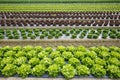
[9,70]
[113,71]
[68,71]
[46,61]
[53,70]
[98,70]
[38,70]
[34,61]
[24,70]
[59,61]
[55,54]
[82,70]
[67,55]
[20,60]
[88,62]
[74,62]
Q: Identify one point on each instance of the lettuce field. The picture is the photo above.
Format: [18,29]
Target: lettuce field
[59,39]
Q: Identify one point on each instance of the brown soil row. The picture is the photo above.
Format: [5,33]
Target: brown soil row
[54,27]
[55,43]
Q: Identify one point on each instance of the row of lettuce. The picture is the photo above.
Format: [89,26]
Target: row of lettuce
[68,61]
[59,1]
[60,33]
[76,7]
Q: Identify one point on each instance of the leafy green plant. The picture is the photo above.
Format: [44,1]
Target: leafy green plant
[7,60]
[81,48]
[27,48]
[1,36]
[88,62]
[104,36]
[49,49]
[71,49]
[53,70]
[89,36]
[42,54]
[64,31]
[79,55]
[91,54]
[55,54]
[82,70]
[17,48]
[50,36]
[67,55]
[9,70]
[114,49]
[59,61]
[9,53]
[100,61]
[20,54]
[113,71]
[73,36]
[10,37]
[74,62]
[67,34]
[34,61]
[24,37]
[112,35]
[16,36]
[118,35]
[61,48]
[20,60]
[39,70]
[42,36]
[68,71]
[71,31]
[31,54]
[114,54]
[38,48]
[114,61]
[104,55]
[24,70]
[98,70]
[82,35]
[46,61]
[33,36]
[95,36]
[57,36]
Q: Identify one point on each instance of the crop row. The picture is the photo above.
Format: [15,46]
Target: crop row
[58,22]
[69,61]
[63,13]
[60,34]
[59,15]
[60,7]
[59,1]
